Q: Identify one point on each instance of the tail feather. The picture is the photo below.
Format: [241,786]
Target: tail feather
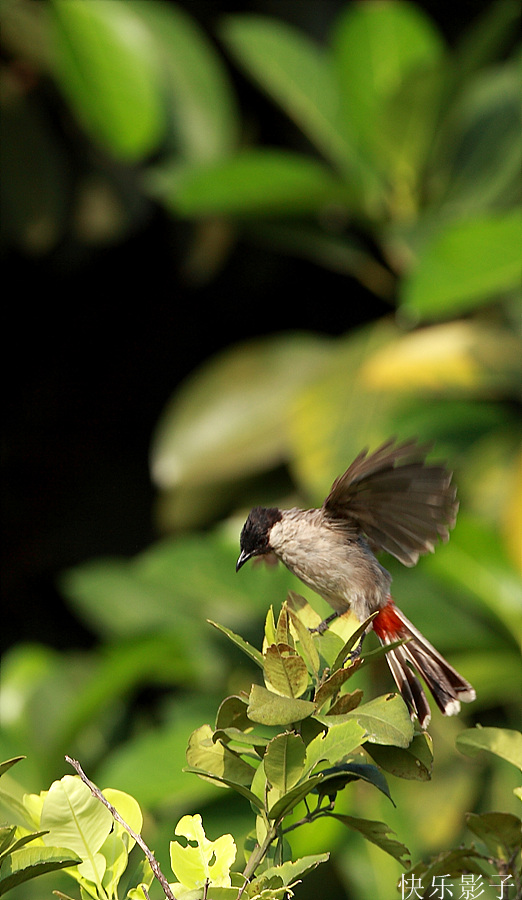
[448,687]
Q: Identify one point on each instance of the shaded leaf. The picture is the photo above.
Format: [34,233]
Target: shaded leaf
[337,777]
[285,670]
[296,73]
[243,645]
[254,182]
[268,708]
[377,833]
[500,832]
[413,762]
[284,761]
[292,798]
[7,763]
[232,713]
[465,265]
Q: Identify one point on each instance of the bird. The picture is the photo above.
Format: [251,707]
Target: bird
[389,500]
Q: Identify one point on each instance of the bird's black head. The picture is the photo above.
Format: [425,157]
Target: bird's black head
[254,540]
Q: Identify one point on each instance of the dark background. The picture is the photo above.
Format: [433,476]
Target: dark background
[96,340]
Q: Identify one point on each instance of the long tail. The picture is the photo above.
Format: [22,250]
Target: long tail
[447,686]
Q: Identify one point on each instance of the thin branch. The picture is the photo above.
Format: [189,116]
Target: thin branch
[136,837]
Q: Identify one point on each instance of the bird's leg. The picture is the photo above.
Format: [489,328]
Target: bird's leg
[323,626]
[356,652]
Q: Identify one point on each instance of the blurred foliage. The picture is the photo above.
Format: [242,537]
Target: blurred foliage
[407,179]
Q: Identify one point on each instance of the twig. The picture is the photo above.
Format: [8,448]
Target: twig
[136,837]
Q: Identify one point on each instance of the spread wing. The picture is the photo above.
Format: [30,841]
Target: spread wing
[398,501]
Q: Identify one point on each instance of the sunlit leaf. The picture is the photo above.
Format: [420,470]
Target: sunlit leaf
[385,720]
[216,759]
[229,418]
[502,742]
[22,865]
[106,65]
[340,741]
[458,358]
[74,817]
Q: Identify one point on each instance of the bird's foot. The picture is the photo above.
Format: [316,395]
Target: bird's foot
[323,626]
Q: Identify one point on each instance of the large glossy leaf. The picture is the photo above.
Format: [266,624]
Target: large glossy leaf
[466,264]
[202,103]
[377,47]
[462,358]
[74,818]
[413,762]
[253,183]
[106,65]
[229,418]
[296,73]
[216,759]
[340,741]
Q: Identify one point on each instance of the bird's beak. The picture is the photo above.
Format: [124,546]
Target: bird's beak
[242,559]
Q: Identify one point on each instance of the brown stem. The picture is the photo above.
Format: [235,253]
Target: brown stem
[136,837]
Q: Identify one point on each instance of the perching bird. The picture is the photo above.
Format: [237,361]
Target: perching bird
[391,500]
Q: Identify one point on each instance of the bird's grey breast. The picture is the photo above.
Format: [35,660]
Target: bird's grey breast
[331,560]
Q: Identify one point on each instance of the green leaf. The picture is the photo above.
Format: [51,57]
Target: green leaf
[307,644]
[6,764]
[377,833]
[255,182]
[23,865]
[200,95]
[466,264]
[215,759]
[484,145]
[414,762]
[296,73]
[243,645]
[284,761]
[334,683]
[501,742]
[337,777]
[291,871]
[292,798]
[74,817]
[232,713]
[240,789]
[385,720]
[106,65]
[7,847]
[207,862]
[268,708]
[229,418]
[285,670]
[377,47]
[337,744]
[500,832]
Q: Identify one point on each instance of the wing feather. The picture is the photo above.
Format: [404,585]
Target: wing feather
[402,504]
